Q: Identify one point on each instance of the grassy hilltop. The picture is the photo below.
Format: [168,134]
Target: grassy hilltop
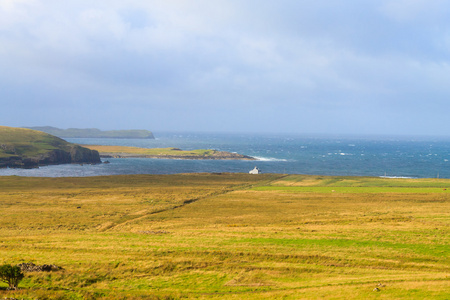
[26,142]
[20,147]
[228,236]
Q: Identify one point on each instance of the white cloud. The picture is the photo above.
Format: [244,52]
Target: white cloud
[100,24]
[298,54]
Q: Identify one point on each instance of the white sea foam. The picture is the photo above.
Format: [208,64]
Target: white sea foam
[268,158]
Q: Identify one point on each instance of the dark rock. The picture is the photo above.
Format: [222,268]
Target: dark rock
[74,154]
[31,267]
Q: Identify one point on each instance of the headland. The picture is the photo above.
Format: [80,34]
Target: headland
[26,148]
[164,153]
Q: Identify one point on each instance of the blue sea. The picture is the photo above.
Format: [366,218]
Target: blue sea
[416,157]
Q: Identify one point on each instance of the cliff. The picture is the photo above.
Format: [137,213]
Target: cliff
[26,148]
[95,133]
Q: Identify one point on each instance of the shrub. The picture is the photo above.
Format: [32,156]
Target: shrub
[11,275]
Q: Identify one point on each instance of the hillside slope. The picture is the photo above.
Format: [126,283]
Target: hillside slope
[26,148]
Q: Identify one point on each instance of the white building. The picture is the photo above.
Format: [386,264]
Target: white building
[255,171]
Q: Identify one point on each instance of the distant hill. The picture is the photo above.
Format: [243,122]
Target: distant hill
[27,148]
[95,133]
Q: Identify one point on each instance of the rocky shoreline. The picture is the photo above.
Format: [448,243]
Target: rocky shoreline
[75,154]
[219,156]
[165,153]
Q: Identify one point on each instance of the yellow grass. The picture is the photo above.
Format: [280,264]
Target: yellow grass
[229,236]
[122,150]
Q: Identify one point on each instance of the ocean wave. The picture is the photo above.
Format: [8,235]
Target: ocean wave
[339,153]
[268,158]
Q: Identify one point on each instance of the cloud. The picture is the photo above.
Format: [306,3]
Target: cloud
[328,62]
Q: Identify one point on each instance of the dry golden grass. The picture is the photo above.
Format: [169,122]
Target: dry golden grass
[126,151]
[229,236]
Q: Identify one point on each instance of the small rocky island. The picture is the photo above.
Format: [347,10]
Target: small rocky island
[26,148]
[167,153]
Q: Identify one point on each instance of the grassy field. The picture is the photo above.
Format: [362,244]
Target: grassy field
[228,236]
[149,151]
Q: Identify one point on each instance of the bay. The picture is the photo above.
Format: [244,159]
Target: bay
[417,157]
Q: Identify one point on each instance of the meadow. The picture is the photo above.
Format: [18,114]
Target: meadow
[227,236]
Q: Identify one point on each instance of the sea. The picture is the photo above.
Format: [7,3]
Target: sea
[381,156]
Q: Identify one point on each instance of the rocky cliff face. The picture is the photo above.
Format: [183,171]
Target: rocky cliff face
[73,154]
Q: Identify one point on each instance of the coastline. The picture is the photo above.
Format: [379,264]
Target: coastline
[278,155]
[165,153]
[125,155]
[194,157]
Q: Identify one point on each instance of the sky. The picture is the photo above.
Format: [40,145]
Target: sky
[251,66]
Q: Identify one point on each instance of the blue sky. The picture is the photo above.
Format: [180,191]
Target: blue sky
[287,66]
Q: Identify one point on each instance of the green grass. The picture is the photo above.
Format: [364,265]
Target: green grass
[228,236]
[351,189]
[351,185]
[27,142]
[349,181]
